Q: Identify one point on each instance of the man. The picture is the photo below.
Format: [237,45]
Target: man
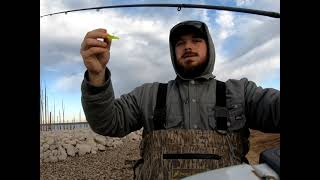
[191,124]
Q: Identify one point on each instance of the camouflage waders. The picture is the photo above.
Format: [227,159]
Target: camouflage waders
[177,153]
[169,154]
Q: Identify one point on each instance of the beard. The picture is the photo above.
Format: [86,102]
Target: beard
[192,72]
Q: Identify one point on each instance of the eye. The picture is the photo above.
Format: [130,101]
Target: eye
[197,40]
[179,43]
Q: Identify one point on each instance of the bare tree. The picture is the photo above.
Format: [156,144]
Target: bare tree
[45,107]
[62,111]
[41,109]
[60,120]
[50,122]
[54,113]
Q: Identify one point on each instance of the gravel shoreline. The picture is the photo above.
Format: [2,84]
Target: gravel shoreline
[111,163]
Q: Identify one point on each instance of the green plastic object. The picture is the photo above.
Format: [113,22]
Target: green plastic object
[112,36]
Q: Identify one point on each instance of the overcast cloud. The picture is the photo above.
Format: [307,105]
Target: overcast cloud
[246,45]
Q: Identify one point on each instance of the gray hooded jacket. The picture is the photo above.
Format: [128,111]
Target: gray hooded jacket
[190,102]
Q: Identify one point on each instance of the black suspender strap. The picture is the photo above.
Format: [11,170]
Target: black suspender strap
[159,115]
[222,118]
[221,111]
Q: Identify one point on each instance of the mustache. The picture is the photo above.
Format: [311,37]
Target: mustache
[188,54]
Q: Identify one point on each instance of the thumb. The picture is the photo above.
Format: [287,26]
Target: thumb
[108,41]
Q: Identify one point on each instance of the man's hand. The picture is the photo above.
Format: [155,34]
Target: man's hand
[96,55]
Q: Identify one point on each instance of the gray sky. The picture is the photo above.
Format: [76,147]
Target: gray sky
[246,45]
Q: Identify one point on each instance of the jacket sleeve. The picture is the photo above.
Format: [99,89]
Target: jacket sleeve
[262,107]
[105,114]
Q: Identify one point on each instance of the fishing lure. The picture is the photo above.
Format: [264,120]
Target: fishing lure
[112,36]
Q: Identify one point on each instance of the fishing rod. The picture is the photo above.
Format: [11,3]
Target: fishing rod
[179,6]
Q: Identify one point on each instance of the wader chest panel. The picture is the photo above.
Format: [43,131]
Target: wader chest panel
[177,153]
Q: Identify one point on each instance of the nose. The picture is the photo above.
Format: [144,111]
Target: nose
[188,46]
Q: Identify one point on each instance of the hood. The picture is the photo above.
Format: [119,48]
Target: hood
[198,27]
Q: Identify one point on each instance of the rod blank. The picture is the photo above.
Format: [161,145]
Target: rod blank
[179,6]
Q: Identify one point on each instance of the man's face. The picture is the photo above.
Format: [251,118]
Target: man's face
[191,51]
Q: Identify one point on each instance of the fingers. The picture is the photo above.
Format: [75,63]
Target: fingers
[108,41]
[90,39]
[97,33]
[94,51]
[94,43]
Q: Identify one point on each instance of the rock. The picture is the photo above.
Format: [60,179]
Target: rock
[117,143]
[53,159]
[100,140]
[139,132]
[109,143]
[83,149]
[45,146]
[46,160]
[73,142]
[80,142]
[63,155]
[50,140]
[53,147]
[66,140]
[71,150]
[58,145]
[41,141]
[133,136]
[101,147]
[54,152]
[65,145]
[46,155]
[66,136]
[94,148]
[90,141]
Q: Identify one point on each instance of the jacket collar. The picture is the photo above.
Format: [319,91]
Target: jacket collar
[203,77]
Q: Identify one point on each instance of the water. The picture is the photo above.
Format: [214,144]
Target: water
[62,126]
